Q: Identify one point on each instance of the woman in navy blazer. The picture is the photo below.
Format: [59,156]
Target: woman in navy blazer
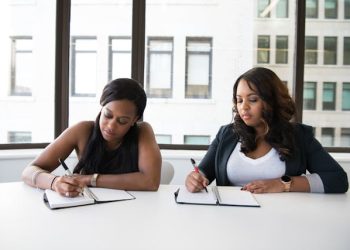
[262,150]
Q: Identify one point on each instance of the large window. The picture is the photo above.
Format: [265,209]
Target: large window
[346,53]
[329,95]
[263,49]
[282,49]
[311,50]
[22,71]
[346,96]
[84,66]
[331,9]
[330,51]
[311,9]
[309,102]
[160,67]
[119,57]
[198,67]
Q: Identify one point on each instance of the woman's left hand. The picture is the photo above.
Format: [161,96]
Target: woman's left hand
[264,186]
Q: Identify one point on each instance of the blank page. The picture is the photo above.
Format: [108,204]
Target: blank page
[236,197]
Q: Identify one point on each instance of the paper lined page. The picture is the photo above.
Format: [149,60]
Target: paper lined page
[107,194]
[236,197]
[184,196]
[56,200]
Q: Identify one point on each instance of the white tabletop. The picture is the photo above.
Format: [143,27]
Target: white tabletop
[154,221]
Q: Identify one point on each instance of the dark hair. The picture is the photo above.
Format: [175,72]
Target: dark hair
[279,109]
[95,158]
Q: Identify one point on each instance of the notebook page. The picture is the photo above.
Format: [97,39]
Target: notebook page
[56,200]
[108,194]
[202,197]
[236,196]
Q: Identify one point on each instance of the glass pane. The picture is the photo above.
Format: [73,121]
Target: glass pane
[346,56]
[282,9]
[311,8]
[346,9]
[100,59]
[208,56]
[282,49]
[163,139]
[197,139]
[324,57]
[27,76]
[330,8]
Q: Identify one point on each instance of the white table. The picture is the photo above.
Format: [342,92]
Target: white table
[154,221]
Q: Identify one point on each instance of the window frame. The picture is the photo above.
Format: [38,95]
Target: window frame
[111,52]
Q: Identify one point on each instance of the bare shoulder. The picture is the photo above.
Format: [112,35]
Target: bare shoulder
[145,128]
[78,132]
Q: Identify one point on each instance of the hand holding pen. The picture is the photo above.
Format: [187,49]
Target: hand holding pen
[68,185]
[202,181]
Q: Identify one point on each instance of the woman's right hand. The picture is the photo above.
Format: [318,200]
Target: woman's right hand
[68,186]
[196,181]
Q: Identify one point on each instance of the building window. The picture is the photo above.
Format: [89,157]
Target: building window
[346,96]
[263,49]
[119,65]
[19,137]
[331,9]
[311,50]
[330,51]
[346,54]
[263,10]
[163,139]
[311,9]
[160,67]
[22,66]
[327,138]
[345,137]
[309,102]
[346,9]
[198,67]
[197,139]
[84,66]
[282,49]
[282,9]
[329,95]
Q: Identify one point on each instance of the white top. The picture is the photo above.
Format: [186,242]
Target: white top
[242,169]
[154,221]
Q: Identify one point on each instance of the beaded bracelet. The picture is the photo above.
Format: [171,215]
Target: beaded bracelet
[53,180]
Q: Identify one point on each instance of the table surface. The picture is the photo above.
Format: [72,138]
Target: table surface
[154,221]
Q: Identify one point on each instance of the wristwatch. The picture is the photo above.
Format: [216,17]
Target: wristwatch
[93,180]
[286,181]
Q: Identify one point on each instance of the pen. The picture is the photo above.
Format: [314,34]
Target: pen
[68,172]
[196,169]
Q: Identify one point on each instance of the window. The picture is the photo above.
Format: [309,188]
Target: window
[197,139]
[282,9]
[331,9]
[329,95]
[311,9]
[309,102]
[346,9]
[22,66]
[119,57]
[84,66]
[198,67]
[282,49]
[263,10]
[330,51]
[346,54]
[263,49]
[160,67]
[163,139]
[327,138]
[345,137]
[311,50]
[19,137]
[346,96]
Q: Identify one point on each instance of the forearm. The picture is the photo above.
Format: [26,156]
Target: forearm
[300,184]
[136,181]
[37,177]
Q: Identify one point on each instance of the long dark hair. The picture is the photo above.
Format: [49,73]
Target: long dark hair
[93,158]
[279,109]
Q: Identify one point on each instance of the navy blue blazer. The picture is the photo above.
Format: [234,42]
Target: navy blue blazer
[309,155]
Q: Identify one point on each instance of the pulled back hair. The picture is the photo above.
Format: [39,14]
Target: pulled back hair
[279,109]
[93,158]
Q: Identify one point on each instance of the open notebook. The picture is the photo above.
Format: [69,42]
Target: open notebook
[92,196]
[217,195]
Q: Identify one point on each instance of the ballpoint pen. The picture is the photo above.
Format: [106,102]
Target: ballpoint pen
[86,190]
[196,169]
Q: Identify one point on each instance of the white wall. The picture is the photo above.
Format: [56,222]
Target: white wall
[12,162]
